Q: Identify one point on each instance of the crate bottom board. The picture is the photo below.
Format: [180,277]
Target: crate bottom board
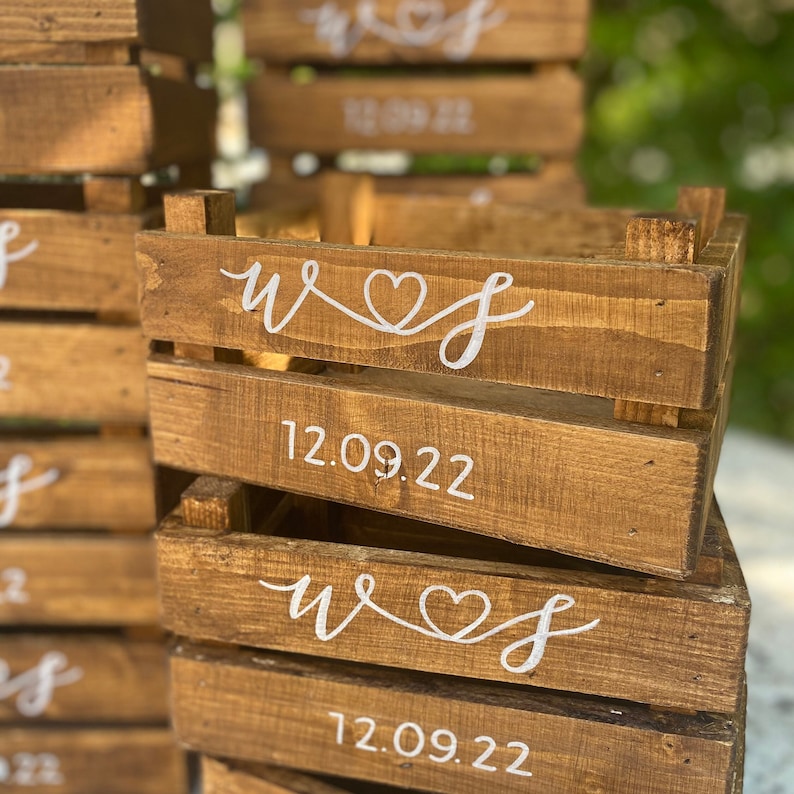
[73,760]
[382,726]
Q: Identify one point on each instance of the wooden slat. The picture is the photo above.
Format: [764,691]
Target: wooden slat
[414,32]
[270,708]
[218,777]
[82,678]
[652,641]
[93,761]
[76,482]
[103,119]
[540,114]
[640,331]
[555,186]
[182,27]
[77,581]
[613,491]
[435,222]
[78,372]
[86,261]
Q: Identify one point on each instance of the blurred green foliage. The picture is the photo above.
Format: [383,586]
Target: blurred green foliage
[703,93]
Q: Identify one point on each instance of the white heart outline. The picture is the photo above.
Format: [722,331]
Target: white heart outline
[431,14]
[457,598]
[395,281]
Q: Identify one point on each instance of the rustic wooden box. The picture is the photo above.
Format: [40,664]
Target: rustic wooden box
[530,103]
[46,30]
[76,482]
[101,119]
[82,679]
[491,612]
[433,734]
[63,580]
[638,311]
[91,761]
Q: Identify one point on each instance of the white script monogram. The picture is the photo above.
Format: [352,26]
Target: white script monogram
[365,587]
[9,231]
[417,23]
[310,272]
[13,485]
[34,689]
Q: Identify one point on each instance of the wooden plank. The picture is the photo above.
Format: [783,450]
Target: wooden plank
[93,761]
[103,119]
[405,31]
[261,706]
[86,261]
[640,331]
[73,371]
[652,641]
[612,491]
[76,580]
[219,777]
[556,185]
[438,222]
[76,482]
[539,113]
[82,678]
[181,27]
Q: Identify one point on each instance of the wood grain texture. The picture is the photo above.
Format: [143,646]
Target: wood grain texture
[85,261]
[74,580]
[666,643]
[182,27]
[102,483]
[640,331]
[97,760]
[527,30]
[110,679]
[540,114]
[264,707]
[103,119]
[613,491]
[557,185]
[219,777]
[78,372]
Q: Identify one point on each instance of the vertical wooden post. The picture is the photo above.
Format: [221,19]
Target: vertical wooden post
[201,212]
[674,240]
[708,203]
[214,503]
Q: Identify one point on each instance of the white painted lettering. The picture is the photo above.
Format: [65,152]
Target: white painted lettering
[13,485]
[9,231]
[35,688]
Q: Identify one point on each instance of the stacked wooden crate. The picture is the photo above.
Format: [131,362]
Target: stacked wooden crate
[96,95]
[519,576]
[425,77]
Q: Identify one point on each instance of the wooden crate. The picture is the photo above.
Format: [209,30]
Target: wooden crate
[81,581]
[101,119]
[409,730]
[82,679]
[76,482]
[45,30]
[493,613]
[460,76]
[635,310]
[91,761]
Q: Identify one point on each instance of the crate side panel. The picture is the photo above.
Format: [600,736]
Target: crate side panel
[86,679]
[397,32]
[77,581]
[618,493]
[540,114]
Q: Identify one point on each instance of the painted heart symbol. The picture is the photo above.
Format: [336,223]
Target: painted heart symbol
[457,599]
[419,21]
[396,281]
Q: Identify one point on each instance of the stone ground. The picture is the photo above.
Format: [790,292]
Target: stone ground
[755,489]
